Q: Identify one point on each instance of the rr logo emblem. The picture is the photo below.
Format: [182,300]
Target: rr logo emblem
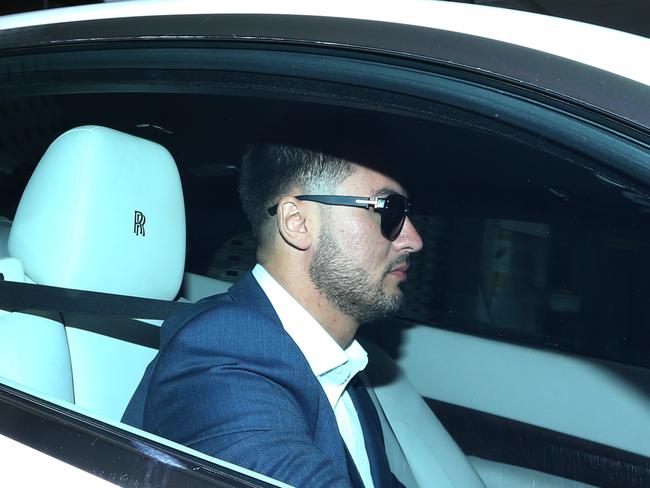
[138,223]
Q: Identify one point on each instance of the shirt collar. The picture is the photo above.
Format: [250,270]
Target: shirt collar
[333,366]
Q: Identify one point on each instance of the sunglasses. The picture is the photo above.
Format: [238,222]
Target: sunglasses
[393,209]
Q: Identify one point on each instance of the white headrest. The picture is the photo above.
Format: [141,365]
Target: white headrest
[103,211]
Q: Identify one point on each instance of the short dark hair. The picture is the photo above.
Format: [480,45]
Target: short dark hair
[270,171]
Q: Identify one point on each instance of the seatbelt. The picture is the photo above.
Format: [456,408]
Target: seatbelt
[17,297]
[80,306]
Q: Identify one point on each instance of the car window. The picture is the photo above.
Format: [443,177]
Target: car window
[521,244]
[538,251]
[527,239]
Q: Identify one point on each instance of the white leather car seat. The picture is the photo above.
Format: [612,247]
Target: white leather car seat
[103,211]
[420,451]
[33,349]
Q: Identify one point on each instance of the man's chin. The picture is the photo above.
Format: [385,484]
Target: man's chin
[392,287]
[395,297]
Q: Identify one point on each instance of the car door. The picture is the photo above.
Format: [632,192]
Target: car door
[523,321]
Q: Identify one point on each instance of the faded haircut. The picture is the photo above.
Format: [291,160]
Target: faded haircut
[270,171]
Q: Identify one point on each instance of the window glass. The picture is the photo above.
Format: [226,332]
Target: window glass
[521,244]
[558,260]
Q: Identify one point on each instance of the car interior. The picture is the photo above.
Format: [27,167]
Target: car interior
[91,245]
[523,312]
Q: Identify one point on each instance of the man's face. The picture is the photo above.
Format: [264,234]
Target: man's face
[355,266]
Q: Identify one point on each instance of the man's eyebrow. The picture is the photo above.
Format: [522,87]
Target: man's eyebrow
[388,190]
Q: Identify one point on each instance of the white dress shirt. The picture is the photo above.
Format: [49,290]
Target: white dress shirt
[333,366]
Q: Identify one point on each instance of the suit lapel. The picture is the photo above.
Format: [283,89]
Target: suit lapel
[247,291]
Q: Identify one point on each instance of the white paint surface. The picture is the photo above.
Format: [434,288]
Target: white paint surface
[611,50]
[24,466]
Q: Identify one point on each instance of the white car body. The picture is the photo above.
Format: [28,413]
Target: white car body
[594,45]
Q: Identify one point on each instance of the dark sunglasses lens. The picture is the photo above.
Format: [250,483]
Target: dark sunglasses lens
[393,216]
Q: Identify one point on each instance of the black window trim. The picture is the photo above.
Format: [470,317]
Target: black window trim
[560,77]
[350,82]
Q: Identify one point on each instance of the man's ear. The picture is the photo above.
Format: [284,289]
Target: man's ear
[293,223]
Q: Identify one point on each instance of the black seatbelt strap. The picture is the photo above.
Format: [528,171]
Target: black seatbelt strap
[16,297]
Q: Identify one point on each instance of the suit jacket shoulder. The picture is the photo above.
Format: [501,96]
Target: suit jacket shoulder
[230,382]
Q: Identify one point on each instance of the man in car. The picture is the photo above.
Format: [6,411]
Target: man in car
[266,376]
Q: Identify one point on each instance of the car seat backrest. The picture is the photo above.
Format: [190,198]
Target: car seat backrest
[103,211]
[195,287]
[33,349]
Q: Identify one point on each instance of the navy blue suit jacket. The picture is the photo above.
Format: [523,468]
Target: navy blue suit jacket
[230,382]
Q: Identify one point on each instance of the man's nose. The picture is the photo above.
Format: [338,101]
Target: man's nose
[409,239]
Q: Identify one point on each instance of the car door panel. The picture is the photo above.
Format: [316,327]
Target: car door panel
[530,407]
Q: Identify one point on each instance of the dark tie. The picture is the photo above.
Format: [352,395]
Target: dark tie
[373,436]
